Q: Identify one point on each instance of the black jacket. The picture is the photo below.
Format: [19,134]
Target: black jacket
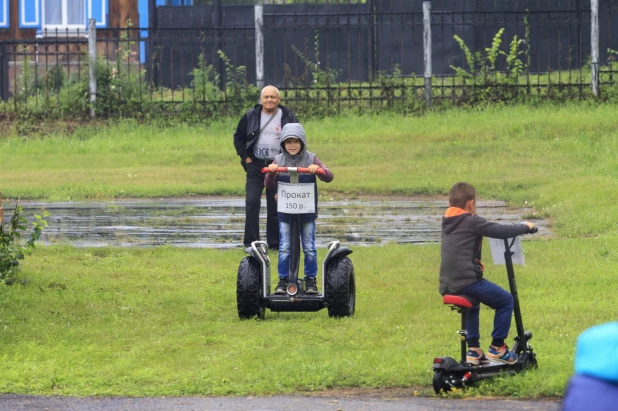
[248,129]
[462,240]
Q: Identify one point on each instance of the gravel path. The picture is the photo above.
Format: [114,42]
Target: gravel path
[364,402]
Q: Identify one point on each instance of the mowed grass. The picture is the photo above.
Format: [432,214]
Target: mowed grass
[163,321]
[564,159]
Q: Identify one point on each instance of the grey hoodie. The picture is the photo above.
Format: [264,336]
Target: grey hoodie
[462,240]
[304,158]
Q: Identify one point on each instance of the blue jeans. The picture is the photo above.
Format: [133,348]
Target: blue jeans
[307,239]
[495,297]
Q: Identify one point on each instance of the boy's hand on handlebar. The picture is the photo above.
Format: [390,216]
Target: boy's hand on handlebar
[530,225]
[273,168]
[313,168]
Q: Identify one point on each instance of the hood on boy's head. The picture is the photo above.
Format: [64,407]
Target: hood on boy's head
[596,354]
[293,130]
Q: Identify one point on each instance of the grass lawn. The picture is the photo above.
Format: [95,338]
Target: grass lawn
[163,321]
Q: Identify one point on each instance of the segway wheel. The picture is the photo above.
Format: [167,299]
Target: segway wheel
[248,289]
[340,288]
[439,381]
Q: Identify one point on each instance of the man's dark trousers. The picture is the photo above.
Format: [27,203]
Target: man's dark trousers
[254,188]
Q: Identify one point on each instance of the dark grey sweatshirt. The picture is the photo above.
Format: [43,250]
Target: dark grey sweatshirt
[462,240]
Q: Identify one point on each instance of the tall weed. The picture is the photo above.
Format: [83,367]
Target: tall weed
[12,247]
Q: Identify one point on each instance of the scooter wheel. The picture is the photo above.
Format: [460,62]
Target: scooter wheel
[248,289]
[440,381]
[527,359]
[340,288]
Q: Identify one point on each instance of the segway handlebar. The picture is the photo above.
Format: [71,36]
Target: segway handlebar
[300,170]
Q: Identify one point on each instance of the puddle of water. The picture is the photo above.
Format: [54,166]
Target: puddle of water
[219,222]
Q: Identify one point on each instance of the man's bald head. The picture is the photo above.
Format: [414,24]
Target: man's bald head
[270,90]
[270,99]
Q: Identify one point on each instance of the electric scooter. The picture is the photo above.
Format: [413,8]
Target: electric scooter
[449,373]
[338,291]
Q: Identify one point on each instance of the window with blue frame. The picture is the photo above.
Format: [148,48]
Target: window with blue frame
[63,14]
[49,16]
[4,14]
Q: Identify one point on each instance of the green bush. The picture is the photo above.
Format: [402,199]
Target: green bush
[54,79]
[205,81]
[609,90]
[399,92]
[239,94]
[12,247]
[483,81]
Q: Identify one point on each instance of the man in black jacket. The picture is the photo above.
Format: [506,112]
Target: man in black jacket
[257,143]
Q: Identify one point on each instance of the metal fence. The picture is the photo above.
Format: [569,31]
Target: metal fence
[335,55]
[608,38]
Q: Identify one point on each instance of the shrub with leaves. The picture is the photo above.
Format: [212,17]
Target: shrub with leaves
[399,92]
[12,247]
[314,74]
[205,81]
[239,94]
[316,89]
[54,79]
[609,77]
[492,83]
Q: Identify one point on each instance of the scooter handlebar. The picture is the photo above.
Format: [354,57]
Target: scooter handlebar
[300,170]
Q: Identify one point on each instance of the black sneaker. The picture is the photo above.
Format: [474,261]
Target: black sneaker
[311,285]
[280,289]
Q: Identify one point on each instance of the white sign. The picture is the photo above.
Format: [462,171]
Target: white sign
[497,251]
[296,198]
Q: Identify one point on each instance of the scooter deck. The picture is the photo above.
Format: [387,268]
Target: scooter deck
[298,302]
[496,366]
[480,372]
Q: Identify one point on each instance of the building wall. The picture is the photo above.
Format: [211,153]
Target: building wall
[120,11]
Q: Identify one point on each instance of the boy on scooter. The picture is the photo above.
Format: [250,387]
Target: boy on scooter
[294,154]
[461,271]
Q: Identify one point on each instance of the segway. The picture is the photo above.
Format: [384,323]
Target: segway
[338,291]
[449,373]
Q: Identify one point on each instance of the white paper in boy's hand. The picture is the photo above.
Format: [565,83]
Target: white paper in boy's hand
[497,251]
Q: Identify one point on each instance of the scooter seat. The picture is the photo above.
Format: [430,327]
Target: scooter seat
[460,300]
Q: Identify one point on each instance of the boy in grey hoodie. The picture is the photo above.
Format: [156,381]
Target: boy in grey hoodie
[461,271]
[294,154]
